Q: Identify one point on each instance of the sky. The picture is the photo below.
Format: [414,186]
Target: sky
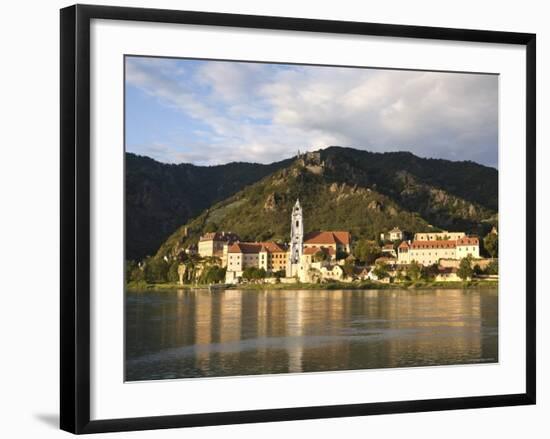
[215,112]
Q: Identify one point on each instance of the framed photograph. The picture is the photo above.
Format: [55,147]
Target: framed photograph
[268,218]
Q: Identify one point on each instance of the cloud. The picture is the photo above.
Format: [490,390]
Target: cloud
[265,112]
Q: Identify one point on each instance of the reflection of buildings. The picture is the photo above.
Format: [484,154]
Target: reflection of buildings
[294,333]
[235,332]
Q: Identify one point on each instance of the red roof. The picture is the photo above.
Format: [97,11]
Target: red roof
[314,250]
[331,237]
[272,247]
[404,245]
[433,244]
[255,247]
[467,241]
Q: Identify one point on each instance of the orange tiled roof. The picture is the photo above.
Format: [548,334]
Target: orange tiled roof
[433,244]
[467,241]
[404,245]
[314,250]
[329,237]
[272,247]
[244,247]
[255,247]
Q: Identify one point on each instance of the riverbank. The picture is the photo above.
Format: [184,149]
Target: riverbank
[141,286]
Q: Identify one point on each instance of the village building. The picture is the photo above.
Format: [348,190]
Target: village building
[211,244]
[385,260]
[389,250]
[395,234]
[332,273]
[334,241]
[270,256]
[429,252]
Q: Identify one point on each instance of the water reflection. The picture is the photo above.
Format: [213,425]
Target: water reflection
[197,333]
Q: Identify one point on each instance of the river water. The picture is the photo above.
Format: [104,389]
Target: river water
[195,333]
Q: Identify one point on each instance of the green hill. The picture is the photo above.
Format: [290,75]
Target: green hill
[160,197]
[347,189]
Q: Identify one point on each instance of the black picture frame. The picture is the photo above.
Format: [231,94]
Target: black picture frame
[75,217]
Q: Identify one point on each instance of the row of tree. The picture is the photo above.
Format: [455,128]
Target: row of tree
[192,270]
[415,271]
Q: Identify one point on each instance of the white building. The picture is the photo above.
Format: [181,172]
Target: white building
[212,244]
[429,252]
[439,236]
[395,234]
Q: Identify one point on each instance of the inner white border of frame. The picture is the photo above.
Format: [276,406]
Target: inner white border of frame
[112,398]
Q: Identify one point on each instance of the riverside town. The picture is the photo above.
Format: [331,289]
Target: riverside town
[298,218]
[221,259]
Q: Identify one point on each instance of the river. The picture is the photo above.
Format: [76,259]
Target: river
[195,333]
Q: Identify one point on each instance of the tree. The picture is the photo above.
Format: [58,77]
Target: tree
[430,272]
[414,271]
[254,273]
[349,268]
[320,256]
[340,254]
[134,272]
[380,271]
[465,270]
[492,267]
[367,251]
[156,270]
[173,271]
[490,243]
[130,266]
[211,227]
[212,274]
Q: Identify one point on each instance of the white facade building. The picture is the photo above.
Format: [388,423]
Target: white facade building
[439,236]
[395,234]
[429,252]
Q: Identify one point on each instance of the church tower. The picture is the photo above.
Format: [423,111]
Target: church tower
[296,235]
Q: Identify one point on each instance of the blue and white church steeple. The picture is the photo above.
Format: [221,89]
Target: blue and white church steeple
[296,234]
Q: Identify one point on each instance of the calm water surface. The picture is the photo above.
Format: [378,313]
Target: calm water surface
[184,333]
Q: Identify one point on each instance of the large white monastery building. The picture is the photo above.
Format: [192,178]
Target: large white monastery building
[429,252]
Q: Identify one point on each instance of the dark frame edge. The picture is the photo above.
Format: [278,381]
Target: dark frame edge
[531,199]
[75,219]
[68,388]
[303,413]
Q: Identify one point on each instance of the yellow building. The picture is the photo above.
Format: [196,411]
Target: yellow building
[270,256]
